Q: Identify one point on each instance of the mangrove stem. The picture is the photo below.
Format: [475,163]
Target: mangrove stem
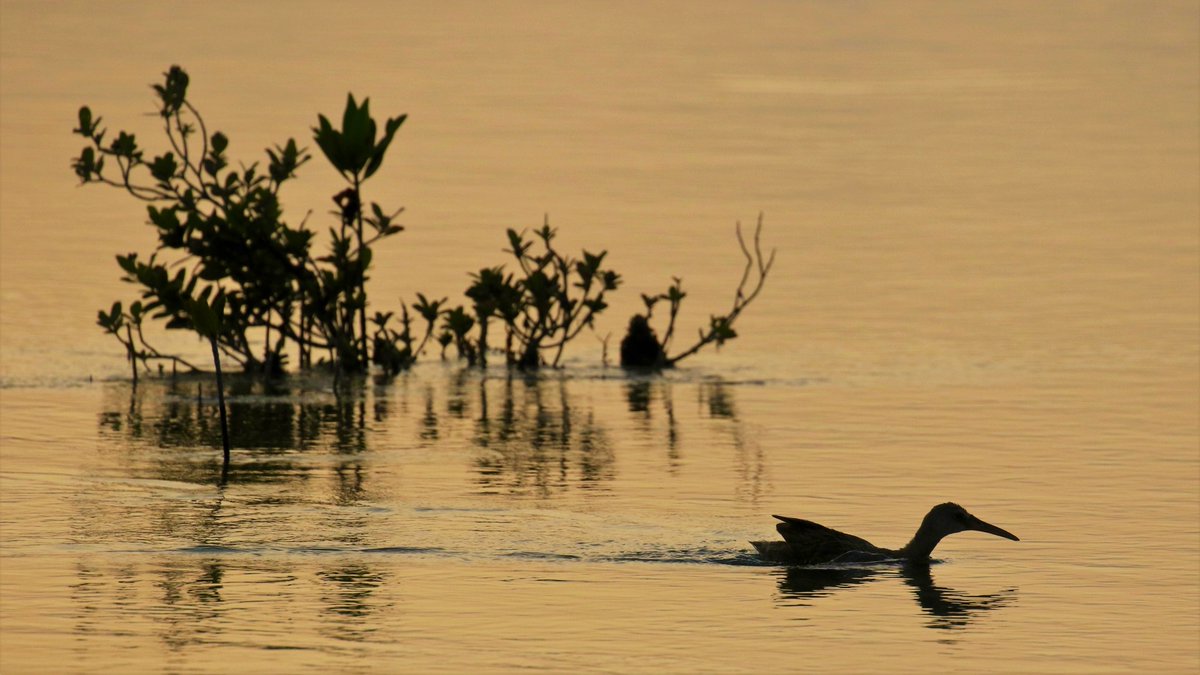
[221,401]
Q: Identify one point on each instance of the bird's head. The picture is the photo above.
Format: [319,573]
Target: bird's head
[949,518]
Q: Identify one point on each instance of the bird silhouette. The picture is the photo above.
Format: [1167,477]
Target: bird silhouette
[807,543]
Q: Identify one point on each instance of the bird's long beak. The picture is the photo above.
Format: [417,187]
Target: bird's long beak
[977,524]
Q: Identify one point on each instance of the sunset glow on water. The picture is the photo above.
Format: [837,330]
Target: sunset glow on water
[987,291]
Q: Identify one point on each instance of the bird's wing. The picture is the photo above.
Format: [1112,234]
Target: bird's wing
[814,543]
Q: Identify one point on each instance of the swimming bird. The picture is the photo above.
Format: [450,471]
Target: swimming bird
[807,543]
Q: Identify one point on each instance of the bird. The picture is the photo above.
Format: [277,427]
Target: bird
[807,543]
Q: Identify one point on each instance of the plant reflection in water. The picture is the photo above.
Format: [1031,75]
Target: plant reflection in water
[526,435]
[202,596]
[325,499]
[715,403]
[536,441]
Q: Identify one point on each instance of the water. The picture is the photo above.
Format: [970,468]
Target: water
[987,290]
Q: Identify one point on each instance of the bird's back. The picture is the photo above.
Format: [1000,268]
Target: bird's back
[813,543]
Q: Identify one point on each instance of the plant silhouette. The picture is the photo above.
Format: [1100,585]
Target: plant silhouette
[225,247]
[642,348]
[546,303]
[223,240]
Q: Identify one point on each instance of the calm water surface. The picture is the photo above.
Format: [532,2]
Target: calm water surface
[988,291]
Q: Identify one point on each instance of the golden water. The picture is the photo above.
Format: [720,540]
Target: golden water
[987,290]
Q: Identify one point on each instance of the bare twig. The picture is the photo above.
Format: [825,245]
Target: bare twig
[720,328]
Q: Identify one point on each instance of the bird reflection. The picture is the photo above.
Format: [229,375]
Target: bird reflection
[946,608]
[816,582]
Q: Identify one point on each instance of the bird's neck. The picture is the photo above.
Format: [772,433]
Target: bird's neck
[923,542]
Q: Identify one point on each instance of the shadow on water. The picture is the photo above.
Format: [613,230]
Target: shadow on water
[946,608]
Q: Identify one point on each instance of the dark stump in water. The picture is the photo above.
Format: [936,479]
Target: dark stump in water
[640,347]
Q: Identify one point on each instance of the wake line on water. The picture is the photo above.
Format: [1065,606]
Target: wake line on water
[696,556]
[702,555]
